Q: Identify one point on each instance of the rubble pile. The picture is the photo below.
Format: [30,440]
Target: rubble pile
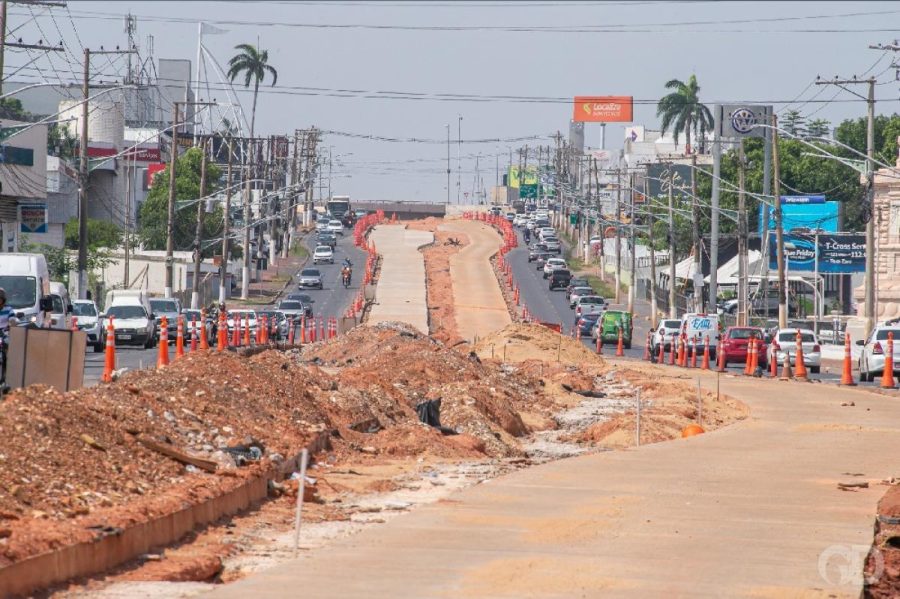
[520,342]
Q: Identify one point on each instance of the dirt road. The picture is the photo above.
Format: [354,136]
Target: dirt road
[400,295]
[751,510]
[478,303]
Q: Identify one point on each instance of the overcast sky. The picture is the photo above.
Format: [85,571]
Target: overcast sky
[766,52]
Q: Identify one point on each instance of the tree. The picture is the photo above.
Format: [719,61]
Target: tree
[254,65]
[153,215]
[793,122]
[682,111]
[818,128]
[60,142]
[11,108]
[100,234]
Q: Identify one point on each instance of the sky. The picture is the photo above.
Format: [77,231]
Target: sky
[517,64]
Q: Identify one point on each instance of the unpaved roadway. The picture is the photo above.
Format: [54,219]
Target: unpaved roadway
[400,294]
[478,302]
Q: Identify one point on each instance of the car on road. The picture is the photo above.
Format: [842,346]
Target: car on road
[245,316]
[310,277]
[578,292]
[276,322]
[552,245]
[588,304]
[607,327]
[194,318]
[735,344]
[170,308]
[336,227]
[784,341]
[519,220]
[663,334]
[293,309]
[536,249]
[327,238]
[89,321]
[540,258]
[585,322]
[576,282]
[323,254]
[702,327]
[545,232]
[305,299]
[559,278]
[133,324]
[510,216]
[874,349]
[554,264]
[322,224]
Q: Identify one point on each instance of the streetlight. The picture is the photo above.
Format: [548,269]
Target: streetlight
[458,157]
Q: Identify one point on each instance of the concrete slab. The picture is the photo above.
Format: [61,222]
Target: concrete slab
[400,293]
[477,299]
[751,510]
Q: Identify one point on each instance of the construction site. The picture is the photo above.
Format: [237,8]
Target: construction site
[439,416]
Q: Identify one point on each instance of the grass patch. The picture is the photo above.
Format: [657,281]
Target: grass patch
[299,251]
[601,288]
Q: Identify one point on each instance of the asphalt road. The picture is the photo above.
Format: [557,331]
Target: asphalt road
[333,300]
[552,306]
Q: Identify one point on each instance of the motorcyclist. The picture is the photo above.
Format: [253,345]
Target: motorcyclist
[346,273]
[347,263]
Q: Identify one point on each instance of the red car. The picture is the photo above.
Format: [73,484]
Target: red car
[735,341]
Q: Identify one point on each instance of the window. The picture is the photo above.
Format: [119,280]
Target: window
[745,333]
[882,334]
[84,310]
[127,312]
[672,324]
[792,337]
[591,300]
[163,305]
[58,307]
[309,272]
[21,292]
[289,305]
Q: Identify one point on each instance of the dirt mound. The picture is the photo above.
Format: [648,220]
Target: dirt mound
[519,342]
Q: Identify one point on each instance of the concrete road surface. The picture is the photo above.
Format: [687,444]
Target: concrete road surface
[749,511]
[400,293]
[478,302]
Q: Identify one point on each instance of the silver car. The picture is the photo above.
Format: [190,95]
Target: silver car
[310,277]
[785,342]
[590,304]
[871,361]
[578,292]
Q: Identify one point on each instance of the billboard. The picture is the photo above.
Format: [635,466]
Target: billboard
[738,121]
[525,176]
[839,253]
[803,212]
[658,179]
[33,218]
[603,109]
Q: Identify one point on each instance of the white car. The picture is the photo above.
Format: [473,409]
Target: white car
[871,361]
[244,316]
[590,304]
[322,224]
[323,253]
[336,227]
[785,342]
[664,332]
[546,232]
[578,292]
[553,264]
[702,326]
[89,321]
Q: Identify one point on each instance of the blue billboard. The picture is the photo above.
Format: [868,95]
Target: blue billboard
[799,212]
[838,254]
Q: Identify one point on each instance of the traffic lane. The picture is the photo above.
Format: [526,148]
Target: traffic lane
[131,357]
[334,299]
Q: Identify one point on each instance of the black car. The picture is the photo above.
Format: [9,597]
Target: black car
[559,278]
[326,238]
[573,283]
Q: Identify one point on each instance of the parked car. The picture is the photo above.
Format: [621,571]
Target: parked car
[735,343]
[89,321]
[276,322]
[587,304]
[576,282]
[585,322]
[663,334]
[323,253]
[702,326]
[871,360]
[578,292]
[336,227]
[607,326]
[554,264]
[784,341]
[310,277]
[170,308]
[559,278]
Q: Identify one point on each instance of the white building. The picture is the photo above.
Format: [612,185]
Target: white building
[23,176]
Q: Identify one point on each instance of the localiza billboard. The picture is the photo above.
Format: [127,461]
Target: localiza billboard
[603,109]
[837,253]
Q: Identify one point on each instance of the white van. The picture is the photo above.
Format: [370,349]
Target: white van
[61,314]
[26,280]
[701,326]
[132,317]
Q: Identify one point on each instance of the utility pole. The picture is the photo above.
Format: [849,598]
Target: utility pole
[654,304]
[631,289]
[4,26]
[602,252]
[673,310]
[695,233]
[448,163]
[618,234]
[779,227]
[742,315]
[248,174]
[869,309]
[198,233]
[712,306]
[226,226]
[83,174]
[458,157]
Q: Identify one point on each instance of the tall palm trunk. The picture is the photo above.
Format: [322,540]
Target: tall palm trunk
[687,137]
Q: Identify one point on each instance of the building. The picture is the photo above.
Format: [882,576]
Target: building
[886,211]
[23,182]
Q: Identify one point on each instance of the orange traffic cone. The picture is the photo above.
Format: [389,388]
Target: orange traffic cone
[705,364]
[246,329]
[204,344]
[163,357]
[647,348]
[263,330]
[620,348]
[754,357]
[800,367]
[786,372]
[290,332]
[847,374]
[682,354]
[661,359]
[193,334]
[748,361]
[694,351]
[673,350]
[110,364]
[74,323]
[720,361]
[887,377]
[773,366]
[179,337]
[303,329]
[236,330]
[222,333]
[599,344]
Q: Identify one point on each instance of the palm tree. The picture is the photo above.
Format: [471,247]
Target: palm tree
[681,110]
[254,65]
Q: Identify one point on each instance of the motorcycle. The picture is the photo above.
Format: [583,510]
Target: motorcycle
[345,277]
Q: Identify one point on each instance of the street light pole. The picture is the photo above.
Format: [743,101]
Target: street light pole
[779,228]
[448,163]
[673,310]
[458,158]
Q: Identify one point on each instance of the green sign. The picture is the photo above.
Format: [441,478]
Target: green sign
[573,219]
[17,156]
[528,191]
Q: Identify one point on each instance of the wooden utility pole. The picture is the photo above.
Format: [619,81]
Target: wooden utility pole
[226,227]
[198,232]
[170,208]
[3,27]
[673,309]
[618,234]
[82,173]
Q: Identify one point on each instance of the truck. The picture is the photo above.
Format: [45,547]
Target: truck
[26,280]
[338,207]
